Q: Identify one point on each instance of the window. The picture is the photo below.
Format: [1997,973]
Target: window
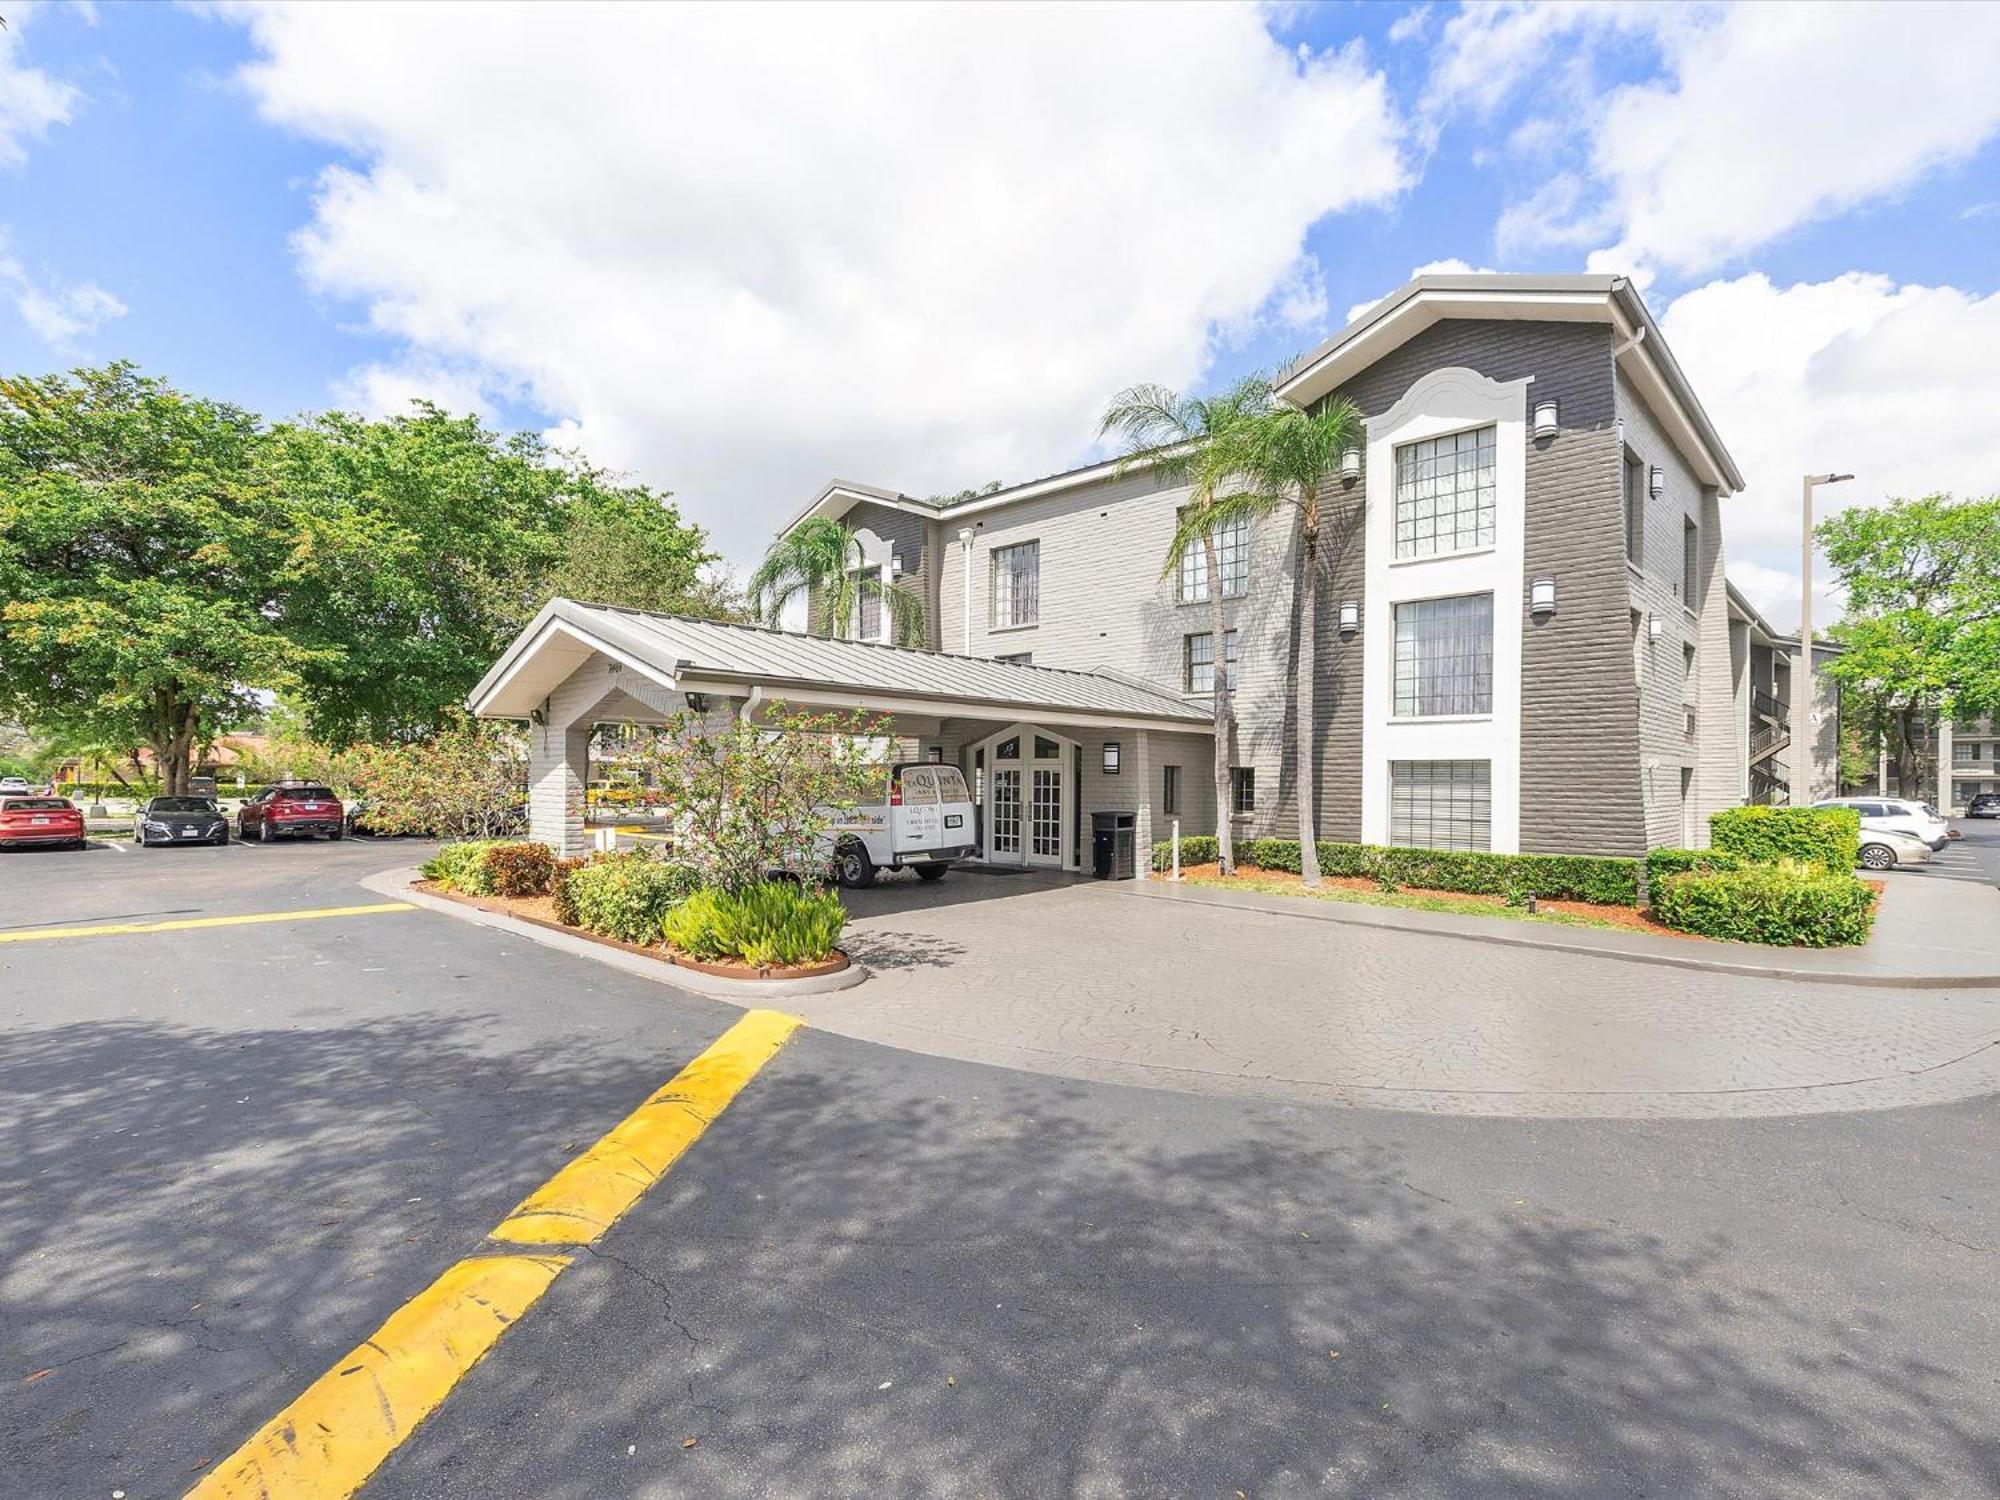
[1170,789]
[1690,563]
[1243,789]
[1198,670]
[871,605]
[1441,804]
[1046,748]
[1017,572]
[1232,558]
[1017,659]
[1444,494]
[1687,664]
[1008,749]
[1635,510]
[1444,656]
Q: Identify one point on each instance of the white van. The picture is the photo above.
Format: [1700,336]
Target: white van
[923,822]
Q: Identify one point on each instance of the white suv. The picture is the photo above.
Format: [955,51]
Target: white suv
[1895,815]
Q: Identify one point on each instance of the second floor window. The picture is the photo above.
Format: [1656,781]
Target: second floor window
[1017,584]
[1444,494]
[1232,559]
[1198,658]
[1635,511]
[1017,659]
[1444,656]
[1690,563]
[871,604]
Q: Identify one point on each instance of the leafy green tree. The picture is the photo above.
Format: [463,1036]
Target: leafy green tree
[1176,436]
[1282,458]
[819,560]
[428,542]
[143,553]
[1921,632]
[468,780]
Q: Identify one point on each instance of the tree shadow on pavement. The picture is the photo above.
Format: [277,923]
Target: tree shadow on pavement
[1013,1288]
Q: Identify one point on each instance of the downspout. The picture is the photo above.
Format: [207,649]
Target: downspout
[750,703]
[965,591]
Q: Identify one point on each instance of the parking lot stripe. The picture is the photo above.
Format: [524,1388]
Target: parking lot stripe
[327,1442]
[182,924]
[588,1196]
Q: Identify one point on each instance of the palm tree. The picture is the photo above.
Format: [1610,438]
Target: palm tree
[1282,456]
[821,560]
[1177,437]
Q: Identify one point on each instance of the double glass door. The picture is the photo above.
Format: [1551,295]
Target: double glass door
[1027,801]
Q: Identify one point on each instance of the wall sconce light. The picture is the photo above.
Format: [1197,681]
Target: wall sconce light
[935,755]
[1350,463]
[1653,627]
[1656,481]
[697,703]
[1545,419]
[1541,597]
[1350,617]
[1111,755]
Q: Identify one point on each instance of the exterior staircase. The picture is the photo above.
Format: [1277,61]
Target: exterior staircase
[1770,732]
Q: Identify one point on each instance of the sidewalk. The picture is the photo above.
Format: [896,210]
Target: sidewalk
[1931,932]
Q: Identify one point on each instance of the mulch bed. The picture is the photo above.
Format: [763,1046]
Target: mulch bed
[540,911]
[1628,917]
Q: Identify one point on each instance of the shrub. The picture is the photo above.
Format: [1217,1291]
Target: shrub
[1829,837]
[1550,877]
[1196,849]
[776,923]
[1790,904]
[625,896]
[565,899]
[461,866]
[1660,863]
[520,869]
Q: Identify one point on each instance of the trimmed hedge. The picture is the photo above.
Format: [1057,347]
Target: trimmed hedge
[462,866]
[627,896]
[778,923]
[1792,904]
[565,899]
[1660,863]
[1549,877]
[1829,837]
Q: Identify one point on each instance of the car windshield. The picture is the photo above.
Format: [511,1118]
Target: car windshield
[305,793]
[180,804]
[36,804]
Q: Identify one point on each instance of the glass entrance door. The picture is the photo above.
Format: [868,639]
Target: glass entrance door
[1007,812]
[1045,820]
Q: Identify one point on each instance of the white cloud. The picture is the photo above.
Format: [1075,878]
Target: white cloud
[1763,117]
[740,250]
[64,315]
[1895,384]
[389,390]
[30,100]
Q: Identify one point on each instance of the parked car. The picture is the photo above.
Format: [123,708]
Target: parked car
[29,821]
[179,820]
[1897,815]
[1883,849]
[295,810]
[918,818]
[1985,805]
[14,786]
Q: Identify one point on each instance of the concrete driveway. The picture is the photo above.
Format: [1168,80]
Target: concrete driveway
[1099,980]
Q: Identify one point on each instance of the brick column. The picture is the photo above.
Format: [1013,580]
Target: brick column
[1142,800]
[558,758]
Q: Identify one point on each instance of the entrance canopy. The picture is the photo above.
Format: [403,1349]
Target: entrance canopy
[684,655]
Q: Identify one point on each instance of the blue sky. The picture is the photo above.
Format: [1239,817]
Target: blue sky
[740,252]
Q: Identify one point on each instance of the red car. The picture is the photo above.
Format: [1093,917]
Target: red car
[40,820]
[292,812]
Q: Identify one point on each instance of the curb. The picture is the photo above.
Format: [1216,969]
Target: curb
[401,885]
[1332,911]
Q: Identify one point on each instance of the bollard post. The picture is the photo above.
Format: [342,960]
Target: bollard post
[1177,848]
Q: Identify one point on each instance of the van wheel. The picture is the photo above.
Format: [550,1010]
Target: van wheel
[853,868]
[1878,857]
[930,872]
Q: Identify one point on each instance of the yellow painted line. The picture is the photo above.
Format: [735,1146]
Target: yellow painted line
[586,1197]
[183,924]
[327,1442]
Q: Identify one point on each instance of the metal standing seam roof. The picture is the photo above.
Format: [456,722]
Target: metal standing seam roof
[681,646]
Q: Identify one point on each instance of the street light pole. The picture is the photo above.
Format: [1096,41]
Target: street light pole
[1802,679]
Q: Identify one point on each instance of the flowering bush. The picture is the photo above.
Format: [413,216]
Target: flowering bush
[626,896]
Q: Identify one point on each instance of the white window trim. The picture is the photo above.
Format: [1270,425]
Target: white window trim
[879,554]
[1446,401]
[993,552]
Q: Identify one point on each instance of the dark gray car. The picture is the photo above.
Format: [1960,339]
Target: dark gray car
[179,820]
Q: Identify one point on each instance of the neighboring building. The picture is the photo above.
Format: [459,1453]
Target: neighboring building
[1531,551]
[1764,664]
[1975,761]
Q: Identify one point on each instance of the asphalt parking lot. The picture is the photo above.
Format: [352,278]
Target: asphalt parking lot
[236,1149]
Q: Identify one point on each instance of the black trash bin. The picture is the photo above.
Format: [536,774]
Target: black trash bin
[1111,845]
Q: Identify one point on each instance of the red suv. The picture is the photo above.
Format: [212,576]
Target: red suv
[40,820]
[292,812]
